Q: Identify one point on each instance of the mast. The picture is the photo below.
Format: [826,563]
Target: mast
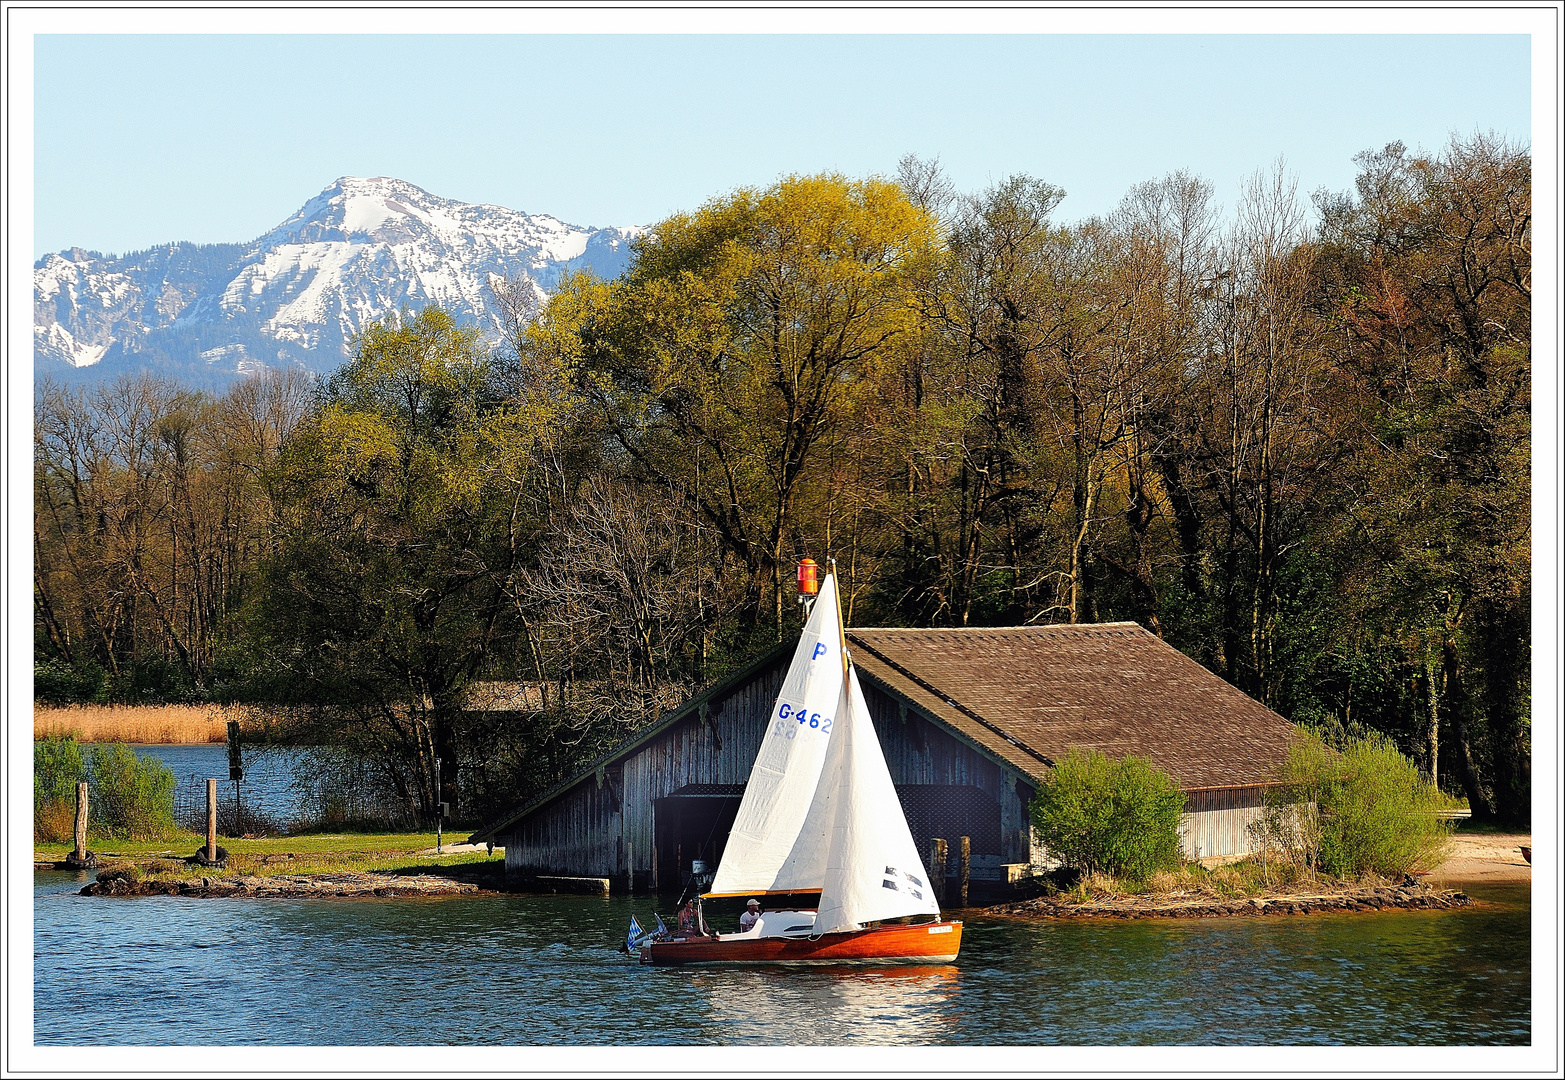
[842,628]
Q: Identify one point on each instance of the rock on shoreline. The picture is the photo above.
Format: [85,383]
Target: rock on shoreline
[1066,906]
[281,886]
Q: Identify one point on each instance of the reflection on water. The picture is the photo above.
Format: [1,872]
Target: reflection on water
[520,970]
[826,1005]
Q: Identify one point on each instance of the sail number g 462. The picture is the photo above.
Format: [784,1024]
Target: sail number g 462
[804,717]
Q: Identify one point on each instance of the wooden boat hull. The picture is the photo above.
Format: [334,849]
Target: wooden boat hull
[929,943]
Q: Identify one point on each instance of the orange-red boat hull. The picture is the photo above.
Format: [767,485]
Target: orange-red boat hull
[930,943]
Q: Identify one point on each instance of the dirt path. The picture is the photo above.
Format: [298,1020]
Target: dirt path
[1484,858]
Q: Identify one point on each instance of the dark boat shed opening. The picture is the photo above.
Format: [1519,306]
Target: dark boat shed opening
[970,720]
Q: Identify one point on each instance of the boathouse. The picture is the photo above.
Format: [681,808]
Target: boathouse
[970,720]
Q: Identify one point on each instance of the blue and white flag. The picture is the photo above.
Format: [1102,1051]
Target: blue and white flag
[631,939]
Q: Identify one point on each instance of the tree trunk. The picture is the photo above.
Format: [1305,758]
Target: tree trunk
[1086,502]
[1456,708]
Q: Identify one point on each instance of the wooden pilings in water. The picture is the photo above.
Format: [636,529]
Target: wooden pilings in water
[937,868]
[964,869]
[211,820]
[211,855]
[80,858]
[80,850]
[939,865]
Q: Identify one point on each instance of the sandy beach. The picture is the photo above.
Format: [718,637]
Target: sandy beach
[1484,858]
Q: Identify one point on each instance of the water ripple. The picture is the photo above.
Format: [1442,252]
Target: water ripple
[543,970]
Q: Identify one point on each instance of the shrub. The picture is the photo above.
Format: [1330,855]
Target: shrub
[1115,816]
[1363,810]
[131,795]
[57,769]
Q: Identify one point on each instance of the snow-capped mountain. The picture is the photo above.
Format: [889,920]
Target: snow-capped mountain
[359,250]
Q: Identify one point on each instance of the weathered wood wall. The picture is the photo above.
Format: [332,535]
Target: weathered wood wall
[587,831]
[1216,821]
[604,827]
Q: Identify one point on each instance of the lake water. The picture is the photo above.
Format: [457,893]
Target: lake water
[267,787]
[158,970]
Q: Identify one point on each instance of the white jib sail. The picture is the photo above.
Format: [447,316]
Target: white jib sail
[766,851]
[873,869]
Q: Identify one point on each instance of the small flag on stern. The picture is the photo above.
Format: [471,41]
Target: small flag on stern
[633,936]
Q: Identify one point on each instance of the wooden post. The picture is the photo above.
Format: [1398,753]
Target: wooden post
[211,820]
[937,868]
[81,822]
[630,867]
[964,866]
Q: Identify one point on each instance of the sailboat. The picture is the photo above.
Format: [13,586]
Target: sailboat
[820,815]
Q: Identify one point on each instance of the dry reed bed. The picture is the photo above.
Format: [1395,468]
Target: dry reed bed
[183,724]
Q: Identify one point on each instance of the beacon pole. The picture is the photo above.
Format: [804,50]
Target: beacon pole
[440,807]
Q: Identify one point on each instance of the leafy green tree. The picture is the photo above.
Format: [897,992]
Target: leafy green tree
[409,505]
[746,337]
[1429,281]
[58,767]
[1118,815]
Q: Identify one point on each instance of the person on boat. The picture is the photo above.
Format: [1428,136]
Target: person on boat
[690,922]
[752,915]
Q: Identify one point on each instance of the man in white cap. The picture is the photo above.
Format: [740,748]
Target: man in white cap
[752,912]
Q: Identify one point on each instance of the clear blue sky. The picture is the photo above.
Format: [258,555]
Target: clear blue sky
[145,139]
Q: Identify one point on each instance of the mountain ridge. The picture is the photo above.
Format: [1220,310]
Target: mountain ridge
[362,248]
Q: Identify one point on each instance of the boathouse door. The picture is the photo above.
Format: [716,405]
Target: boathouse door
[692,823]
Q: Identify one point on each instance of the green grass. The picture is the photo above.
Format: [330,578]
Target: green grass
[313,854]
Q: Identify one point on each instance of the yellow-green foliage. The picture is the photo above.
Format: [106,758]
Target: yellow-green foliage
[57,768]
[750,333]
[1100,813]
[129,795]
[1363,810]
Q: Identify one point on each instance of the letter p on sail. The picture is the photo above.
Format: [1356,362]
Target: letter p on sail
[820,650]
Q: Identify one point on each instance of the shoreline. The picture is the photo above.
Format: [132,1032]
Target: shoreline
[1479,858]
[1474,859]
[1340,899]
[335,885]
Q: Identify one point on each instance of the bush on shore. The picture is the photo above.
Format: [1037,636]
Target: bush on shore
[1362,810]
[130,796]
[1114,816]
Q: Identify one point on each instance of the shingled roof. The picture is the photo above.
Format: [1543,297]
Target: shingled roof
[1028,694]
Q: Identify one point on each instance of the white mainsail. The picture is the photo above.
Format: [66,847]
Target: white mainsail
[820,810]
[765,850]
